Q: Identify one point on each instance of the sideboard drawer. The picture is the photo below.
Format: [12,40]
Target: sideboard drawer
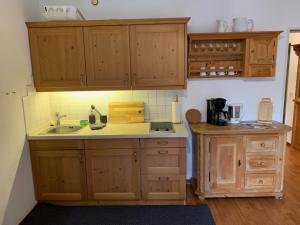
[262,144]
[261,181]
[261,162]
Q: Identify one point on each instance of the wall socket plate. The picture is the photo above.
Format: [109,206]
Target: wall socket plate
[95,2]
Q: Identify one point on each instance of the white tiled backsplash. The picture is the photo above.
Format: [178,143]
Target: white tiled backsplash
[41,107]
[37,111]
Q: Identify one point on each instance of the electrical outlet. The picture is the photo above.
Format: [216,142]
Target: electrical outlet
[95,2]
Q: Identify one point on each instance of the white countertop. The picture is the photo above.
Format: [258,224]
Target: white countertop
[131,130]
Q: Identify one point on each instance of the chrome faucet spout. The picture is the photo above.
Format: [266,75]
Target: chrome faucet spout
[58,117]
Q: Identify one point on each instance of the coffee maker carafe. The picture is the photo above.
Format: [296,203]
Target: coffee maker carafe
[216,113]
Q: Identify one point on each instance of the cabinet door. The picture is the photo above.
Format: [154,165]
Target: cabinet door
[157,55]
[59,175]
[262,51]
[107,56]
[226,164]
[113,174]
[57,58]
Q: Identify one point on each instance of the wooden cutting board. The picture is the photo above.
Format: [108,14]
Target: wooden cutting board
[126,112]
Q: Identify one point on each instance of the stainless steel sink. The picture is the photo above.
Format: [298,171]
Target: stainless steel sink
[64,129]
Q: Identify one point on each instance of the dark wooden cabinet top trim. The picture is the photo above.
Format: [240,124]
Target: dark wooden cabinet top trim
[114,22]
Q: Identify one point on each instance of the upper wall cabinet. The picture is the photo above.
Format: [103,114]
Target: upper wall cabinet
[109,54]
[158,55]
[58,57]
[244,54]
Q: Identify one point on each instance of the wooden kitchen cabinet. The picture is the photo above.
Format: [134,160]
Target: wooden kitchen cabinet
[113,174]
[158,55]
[108,54]
[226,164]
[59,175]
[163,168]
[107,57]
[238,162]
[57,56]
[126,171]
[232,54]
[261,54]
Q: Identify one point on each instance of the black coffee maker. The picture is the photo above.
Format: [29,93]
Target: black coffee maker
[216,113]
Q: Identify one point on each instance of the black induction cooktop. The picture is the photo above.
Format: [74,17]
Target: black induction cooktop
[163,127]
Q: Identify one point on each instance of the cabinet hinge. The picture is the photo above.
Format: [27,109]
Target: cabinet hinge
[209,147]
[209,176]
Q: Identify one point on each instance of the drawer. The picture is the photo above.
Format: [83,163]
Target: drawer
[112,143]
[261,162]
[261,181]
[262,144]
[261,70]
[163,143]
[163,160]
[163,187]
[44,145]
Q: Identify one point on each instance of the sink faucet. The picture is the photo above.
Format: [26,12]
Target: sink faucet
[58,117]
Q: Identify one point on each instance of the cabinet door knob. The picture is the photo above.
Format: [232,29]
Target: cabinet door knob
[82,79]
[263,145]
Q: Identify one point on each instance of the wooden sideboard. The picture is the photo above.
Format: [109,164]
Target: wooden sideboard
[110,171]
[233,161]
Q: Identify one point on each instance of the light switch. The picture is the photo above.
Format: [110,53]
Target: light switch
[95,2]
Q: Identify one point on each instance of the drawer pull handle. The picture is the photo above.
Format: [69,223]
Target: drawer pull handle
[263,145]
[162,142]
[262,163]
[163,152]
[261,182]
[163,178]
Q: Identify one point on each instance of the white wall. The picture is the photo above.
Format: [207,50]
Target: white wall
[291,87]
[267,14]
[16,186]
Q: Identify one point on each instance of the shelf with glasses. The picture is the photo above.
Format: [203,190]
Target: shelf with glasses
[244,54]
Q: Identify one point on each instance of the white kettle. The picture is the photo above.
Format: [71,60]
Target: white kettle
[242,24]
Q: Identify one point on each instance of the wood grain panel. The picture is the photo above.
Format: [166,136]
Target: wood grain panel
[157,55]
[59,175]
[163,142]
[57,57]
[163,186]
[107,57]
[113,174]
[111,144]
[262,143]
[126,112]
[163,160]
[56,145]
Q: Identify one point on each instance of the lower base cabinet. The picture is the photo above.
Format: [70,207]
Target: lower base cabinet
[113,174]
[109,170]
[59,175]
